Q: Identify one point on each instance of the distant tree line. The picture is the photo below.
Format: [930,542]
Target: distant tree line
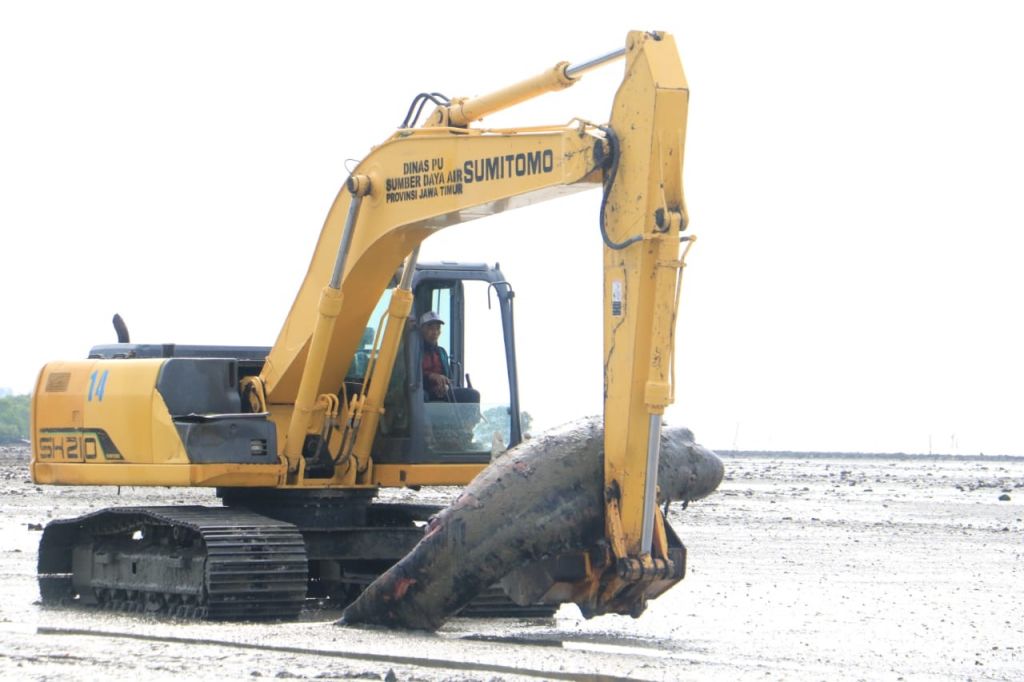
[13,418]
[497,419]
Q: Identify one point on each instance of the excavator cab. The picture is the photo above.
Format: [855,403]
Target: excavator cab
[480,415]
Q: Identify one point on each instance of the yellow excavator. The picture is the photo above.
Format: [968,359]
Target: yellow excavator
[299,438]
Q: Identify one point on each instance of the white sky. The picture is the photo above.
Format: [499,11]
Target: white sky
[853,171]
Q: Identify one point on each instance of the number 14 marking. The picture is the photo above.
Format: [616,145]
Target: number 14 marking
[97,389]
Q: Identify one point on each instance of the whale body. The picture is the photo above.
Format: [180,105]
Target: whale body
[538,499]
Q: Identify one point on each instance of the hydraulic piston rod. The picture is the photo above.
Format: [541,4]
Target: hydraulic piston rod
[578,70]
[464,111]
[651,484]
[329,307]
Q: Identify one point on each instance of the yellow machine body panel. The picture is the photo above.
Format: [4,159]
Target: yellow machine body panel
[104,422]
[116,400]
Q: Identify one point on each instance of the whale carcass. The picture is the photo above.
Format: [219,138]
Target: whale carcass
[538,499]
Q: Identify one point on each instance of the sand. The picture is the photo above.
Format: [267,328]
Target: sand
[816,569]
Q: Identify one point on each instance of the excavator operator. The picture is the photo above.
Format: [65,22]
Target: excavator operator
[436,368]
[437,373]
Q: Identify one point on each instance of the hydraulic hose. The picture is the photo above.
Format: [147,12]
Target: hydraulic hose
[609,179]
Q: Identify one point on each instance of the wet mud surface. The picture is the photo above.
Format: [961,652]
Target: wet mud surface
[798,569]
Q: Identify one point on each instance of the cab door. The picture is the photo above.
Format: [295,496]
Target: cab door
[480,416]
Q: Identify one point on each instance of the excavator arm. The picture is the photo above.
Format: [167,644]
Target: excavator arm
[643,219]
[447,172]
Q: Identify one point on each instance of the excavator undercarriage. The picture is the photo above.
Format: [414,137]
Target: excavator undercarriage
[230,563]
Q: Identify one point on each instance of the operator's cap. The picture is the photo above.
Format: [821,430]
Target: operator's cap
[430,317]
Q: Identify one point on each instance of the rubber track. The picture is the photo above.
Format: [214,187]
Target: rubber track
[255,567]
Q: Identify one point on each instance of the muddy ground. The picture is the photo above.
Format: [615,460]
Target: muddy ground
[817,569]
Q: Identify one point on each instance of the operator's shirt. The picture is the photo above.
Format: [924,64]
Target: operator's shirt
[432,361]
[432,364]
